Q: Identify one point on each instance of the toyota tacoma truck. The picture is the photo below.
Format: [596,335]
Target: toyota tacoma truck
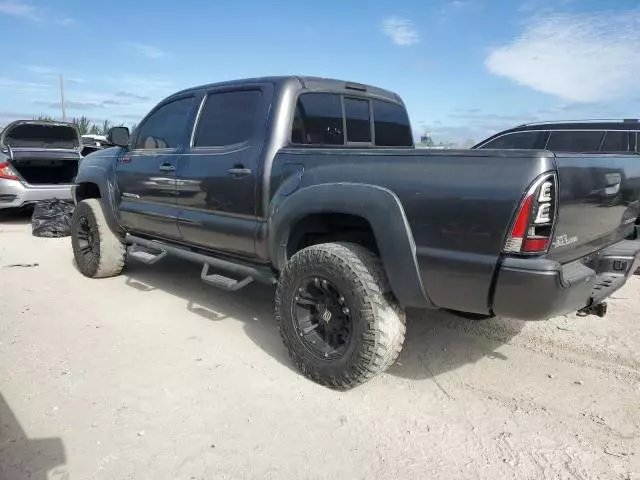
[315,185]
[38,161]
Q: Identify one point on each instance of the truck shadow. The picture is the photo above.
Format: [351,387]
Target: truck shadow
[22,457]
[436,341]
[20,216]
[253,305]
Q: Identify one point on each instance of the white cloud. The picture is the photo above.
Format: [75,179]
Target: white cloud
[401,31]
[146,50]
[20,86]
[19,9]
[576,57]
[143,85]
[38,69]
[26,11]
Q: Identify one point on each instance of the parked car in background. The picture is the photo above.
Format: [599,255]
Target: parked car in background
[92,143]
[592,136]
[38,161]
[587,136]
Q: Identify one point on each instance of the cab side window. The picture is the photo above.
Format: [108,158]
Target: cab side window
[165,127]
[575,141]
[517,140]
[615,141]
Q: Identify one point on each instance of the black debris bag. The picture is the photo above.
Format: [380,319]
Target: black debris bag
[52,218]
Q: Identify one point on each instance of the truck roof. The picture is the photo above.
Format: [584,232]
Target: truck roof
[305,83]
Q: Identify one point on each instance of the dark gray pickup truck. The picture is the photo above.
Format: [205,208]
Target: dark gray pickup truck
[315,185]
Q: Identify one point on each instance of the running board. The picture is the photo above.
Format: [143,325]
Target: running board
[224,283]
[263,275]
[145,256]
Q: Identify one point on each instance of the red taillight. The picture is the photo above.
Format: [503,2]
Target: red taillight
[7,172]
[533,226]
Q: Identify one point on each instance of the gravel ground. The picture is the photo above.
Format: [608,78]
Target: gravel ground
[154,375]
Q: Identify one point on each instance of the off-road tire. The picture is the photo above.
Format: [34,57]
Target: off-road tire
[378,320]
[108,252]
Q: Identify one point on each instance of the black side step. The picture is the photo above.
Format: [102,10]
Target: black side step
[263,275]
[145,255]
[222,282]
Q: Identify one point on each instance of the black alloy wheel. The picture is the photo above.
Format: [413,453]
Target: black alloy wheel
[322,318]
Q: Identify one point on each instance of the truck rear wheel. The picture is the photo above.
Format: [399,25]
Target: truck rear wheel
[337,315]
[97,250]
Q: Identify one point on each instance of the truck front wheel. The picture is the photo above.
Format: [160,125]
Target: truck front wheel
[97,250]
[337,315]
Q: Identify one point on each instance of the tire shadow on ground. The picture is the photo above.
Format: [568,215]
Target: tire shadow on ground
[436,341]
[22,457]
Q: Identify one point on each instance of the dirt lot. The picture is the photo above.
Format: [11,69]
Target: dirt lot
[154,375]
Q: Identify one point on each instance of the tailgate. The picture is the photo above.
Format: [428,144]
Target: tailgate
[598,203]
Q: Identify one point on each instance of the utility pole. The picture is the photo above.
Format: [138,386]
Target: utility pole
[64,113]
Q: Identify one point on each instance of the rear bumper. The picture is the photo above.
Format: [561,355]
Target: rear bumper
[14,193]
[537,289]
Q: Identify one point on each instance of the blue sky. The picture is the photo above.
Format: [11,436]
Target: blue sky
[466,68]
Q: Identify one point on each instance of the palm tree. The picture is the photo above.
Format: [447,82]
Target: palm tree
[106,125]
[83,124]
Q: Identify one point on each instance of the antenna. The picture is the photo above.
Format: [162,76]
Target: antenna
[64,113]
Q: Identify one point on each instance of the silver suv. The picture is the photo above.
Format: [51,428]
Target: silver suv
[38,161]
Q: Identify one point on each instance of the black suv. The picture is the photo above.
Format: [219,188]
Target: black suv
[591,136]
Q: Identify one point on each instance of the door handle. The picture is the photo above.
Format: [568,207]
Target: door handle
[239,171]
[167,167]
[612,183]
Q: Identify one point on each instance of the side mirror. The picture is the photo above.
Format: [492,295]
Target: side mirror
[118,136]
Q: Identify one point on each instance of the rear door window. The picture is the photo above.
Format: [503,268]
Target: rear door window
[391,125]
[517,140]
[358,120]
[615,141]
[575,141]
[318,120]
[228,118]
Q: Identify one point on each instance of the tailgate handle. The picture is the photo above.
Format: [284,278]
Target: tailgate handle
[612,183]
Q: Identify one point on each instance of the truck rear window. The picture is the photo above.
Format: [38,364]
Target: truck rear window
[392,127]
[318,120]
[358,120]
[321,120]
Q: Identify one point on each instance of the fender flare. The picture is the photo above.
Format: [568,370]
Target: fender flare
[102,175]
[380,207]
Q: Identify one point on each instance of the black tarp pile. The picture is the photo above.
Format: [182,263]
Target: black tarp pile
[52,218]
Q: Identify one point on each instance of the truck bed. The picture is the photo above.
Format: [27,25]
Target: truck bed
[460,204]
